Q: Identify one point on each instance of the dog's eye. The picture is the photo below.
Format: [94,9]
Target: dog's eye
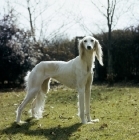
[85,41]
[92,40]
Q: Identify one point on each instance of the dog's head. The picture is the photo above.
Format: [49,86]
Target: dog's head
[88,42]
[91,44]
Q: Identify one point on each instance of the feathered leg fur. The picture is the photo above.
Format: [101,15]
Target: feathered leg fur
[39,102]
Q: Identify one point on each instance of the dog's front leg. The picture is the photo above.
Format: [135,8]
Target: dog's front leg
[87,103]
[81,92]
[87,100]
[88,96]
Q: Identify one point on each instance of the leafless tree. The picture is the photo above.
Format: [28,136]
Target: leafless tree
[109,16]
[41,16]
[112,19]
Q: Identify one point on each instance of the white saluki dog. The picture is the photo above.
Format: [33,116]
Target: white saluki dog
[76,73]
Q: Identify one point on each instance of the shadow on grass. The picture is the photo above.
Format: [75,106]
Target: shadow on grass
[54,133]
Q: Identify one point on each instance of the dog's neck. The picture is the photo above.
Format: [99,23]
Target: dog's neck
[89,58]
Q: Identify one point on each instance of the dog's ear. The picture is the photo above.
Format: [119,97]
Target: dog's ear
[99,52]
[81,48]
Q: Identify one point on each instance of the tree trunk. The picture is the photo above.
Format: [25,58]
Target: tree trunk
[110,75]
[31,25]
[110,13]
[110,67]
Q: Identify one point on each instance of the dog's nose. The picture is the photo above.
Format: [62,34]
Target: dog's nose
[88,47]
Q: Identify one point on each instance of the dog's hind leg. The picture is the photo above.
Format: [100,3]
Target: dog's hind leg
[39,102]
[30,95]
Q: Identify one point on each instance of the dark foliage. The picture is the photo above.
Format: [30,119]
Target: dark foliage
[14,56]
[125,49]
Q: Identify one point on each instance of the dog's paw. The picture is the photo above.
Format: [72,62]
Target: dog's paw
[90,123]
[21,122]
[95,120]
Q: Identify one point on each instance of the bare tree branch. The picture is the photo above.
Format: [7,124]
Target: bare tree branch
[98,9]
[113,10]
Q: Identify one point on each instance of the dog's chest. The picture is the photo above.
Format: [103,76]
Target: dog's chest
[69,81]
[67,78]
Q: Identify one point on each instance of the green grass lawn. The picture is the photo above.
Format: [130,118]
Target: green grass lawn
[116,107]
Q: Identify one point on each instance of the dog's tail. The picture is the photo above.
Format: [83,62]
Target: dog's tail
[26,80]
[39,101]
